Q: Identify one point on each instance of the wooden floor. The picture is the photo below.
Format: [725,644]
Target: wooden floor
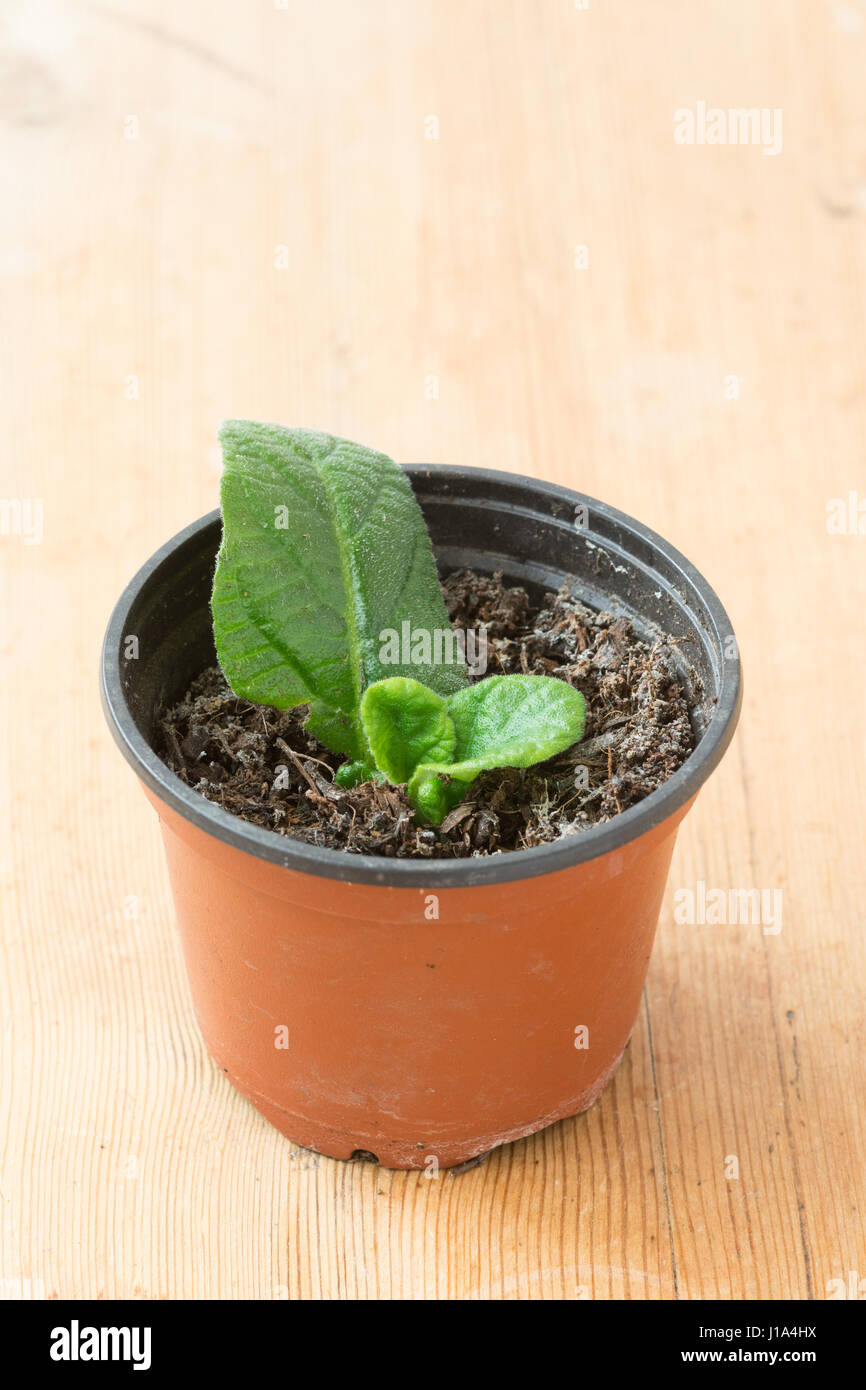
[368,218]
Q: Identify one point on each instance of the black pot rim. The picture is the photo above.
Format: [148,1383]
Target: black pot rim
[337,864]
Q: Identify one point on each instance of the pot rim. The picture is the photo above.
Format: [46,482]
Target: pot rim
[321,862]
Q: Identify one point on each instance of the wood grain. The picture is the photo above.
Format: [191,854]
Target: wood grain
[143,301]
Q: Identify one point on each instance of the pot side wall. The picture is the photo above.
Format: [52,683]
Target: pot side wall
[410,1034]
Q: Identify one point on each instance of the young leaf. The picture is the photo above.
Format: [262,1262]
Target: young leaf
[351,774]
[324,547]
[503,721]
[406,723]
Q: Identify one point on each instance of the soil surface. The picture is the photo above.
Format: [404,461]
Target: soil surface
[262,765]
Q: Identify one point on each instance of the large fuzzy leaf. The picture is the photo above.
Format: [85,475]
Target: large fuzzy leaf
[324,548]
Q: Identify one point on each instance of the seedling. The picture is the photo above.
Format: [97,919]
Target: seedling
[324,549]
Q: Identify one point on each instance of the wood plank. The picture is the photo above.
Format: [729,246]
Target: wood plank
[127,1166]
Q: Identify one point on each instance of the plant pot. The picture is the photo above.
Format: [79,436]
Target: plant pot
[423,1011]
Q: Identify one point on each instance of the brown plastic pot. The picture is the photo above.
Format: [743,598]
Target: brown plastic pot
[424,1011]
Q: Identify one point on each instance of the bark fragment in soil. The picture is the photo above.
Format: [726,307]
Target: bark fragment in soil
[261,764]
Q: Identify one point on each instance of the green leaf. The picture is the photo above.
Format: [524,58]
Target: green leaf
[406,723]
[503,721]
[324,548]
[351,774]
